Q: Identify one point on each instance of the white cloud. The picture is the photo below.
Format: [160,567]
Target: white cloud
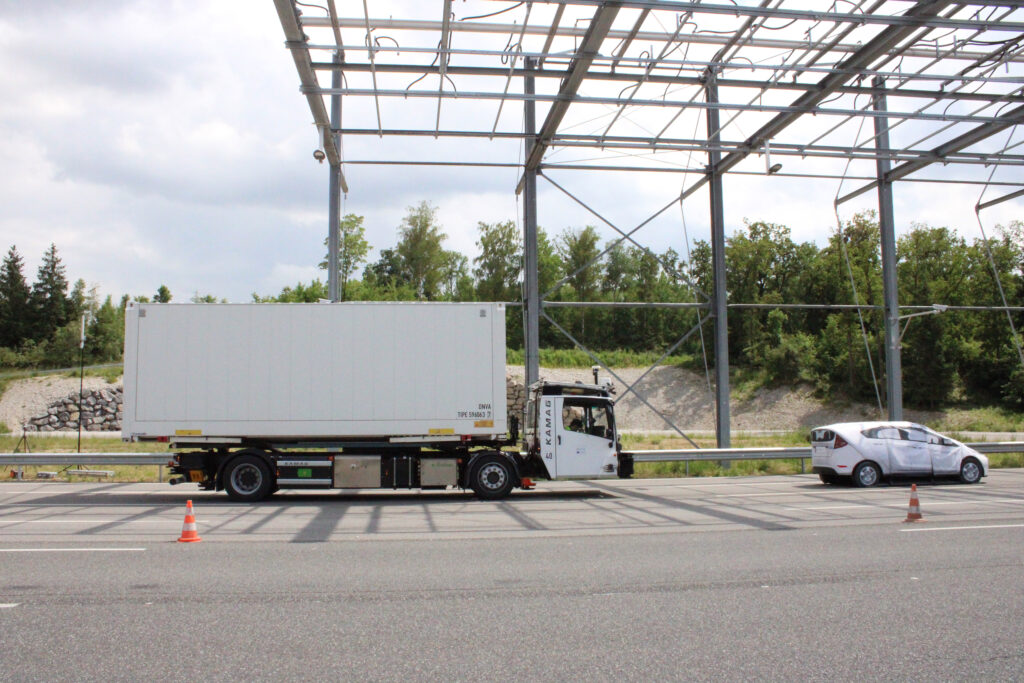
[167,143]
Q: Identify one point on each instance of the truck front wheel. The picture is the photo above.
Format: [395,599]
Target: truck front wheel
[247,478]
[492,477]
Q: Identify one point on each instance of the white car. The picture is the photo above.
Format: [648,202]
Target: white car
[869,451]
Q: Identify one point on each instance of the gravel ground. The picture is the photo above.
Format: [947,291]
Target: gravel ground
[26,398]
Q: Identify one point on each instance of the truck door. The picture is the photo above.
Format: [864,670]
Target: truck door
[584,438]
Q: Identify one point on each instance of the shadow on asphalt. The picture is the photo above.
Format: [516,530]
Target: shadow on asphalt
[291,498]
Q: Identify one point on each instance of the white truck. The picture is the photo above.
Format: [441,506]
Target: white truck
[258,397]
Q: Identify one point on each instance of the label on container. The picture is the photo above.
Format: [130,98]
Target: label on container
[188,432]
[447,430]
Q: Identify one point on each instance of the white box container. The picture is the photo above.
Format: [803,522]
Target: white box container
[314,371]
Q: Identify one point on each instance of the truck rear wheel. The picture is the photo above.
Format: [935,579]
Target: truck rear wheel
[247,478]
[492,477]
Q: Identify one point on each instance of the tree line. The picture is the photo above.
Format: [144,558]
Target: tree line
[963,356]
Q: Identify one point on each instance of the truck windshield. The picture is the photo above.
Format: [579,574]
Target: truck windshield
[587,417]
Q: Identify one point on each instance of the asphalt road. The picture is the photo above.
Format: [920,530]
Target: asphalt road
[768,578]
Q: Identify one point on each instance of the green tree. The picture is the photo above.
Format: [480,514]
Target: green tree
[163,295]
[579,251]
[352,250]
[420,253]
[77,300]
[105,333]
[299,294]
[50,303]
[16,319]
[498,267]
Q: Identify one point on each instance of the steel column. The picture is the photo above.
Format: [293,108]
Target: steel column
[886,224]
[531,284]
[719,306]
[334,191]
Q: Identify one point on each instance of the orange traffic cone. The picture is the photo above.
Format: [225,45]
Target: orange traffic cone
[914,514]
[189,534]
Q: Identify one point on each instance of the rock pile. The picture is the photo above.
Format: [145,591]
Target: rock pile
[101,412]
[515,391]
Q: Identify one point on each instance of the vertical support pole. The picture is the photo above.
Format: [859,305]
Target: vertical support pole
[334,192]
[531,294]
[718,297]
[886,224]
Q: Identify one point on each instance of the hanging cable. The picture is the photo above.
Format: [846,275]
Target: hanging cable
[853,283]
[991,259]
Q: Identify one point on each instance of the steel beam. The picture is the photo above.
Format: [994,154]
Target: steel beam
[334,190]
[890,284]
[643,36]
[813,15]
[880,45]
[667,79]
[939,154]
[577,72]
[531,285]
[719,307]
[298,46]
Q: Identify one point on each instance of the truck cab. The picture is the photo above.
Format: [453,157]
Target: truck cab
[570,432]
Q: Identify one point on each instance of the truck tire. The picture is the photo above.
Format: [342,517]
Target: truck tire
[492,477]
[247,478]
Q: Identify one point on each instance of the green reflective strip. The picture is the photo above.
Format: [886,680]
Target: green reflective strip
[304,472]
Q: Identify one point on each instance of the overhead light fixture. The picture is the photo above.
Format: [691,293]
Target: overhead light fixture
[769,167]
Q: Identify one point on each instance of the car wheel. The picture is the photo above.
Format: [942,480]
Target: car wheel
[492,477]
[247,478]
[970,471]
[867,474]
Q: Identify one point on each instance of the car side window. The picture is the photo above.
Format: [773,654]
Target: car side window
[883,433]
[916,435]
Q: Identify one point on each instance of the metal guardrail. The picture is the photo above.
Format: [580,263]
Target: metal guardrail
[84,458]
[687,455]
[801,452]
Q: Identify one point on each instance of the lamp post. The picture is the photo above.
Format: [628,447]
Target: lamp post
[81,378]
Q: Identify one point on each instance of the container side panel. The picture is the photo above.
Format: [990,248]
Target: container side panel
[361,352]
[131,358]
[259,346]
[323,364]
[159,385]
[299,352]
[381,337]
[319,370]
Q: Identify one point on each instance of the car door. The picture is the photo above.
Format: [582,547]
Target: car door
[945,454]
[910,455]
[876,445]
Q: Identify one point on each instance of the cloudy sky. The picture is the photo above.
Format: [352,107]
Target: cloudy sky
[161,142]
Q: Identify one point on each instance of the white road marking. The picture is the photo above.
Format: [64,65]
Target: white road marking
[751,495]
[962,528]
[72,550]
[932,503]
[80,521]
[8,605]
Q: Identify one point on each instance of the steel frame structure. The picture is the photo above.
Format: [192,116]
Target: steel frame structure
[937,79]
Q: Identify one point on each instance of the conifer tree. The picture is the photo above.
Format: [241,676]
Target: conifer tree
[50,304]
[16,318]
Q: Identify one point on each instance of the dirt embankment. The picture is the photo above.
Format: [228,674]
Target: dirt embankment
[684,397]
[680,395]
